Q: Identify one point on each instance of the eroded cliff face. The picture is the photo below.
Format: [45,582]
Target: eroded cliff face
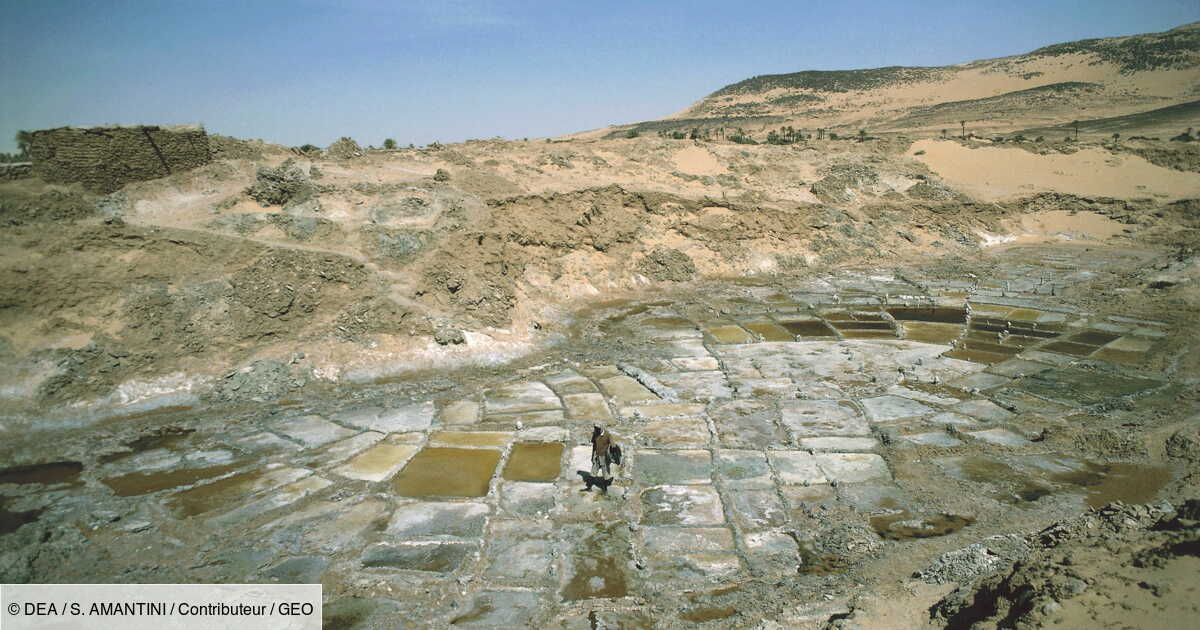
[371,266]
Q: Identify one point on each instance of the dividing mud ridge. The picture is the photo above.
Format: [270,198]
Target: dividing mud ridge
[797,451]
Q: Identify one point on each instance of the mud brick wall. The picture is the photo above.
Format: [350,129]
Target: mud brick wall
[104,159]
[15,170]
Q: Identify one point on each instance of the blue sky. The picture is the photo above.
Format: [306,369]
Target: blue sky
[448,70]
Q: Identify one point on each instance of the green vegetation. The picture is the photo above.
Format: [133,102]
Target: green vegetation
[681,128]
[831,80]
[786,135]
[1175,49]
[24,144]
[389,144]
[796,99]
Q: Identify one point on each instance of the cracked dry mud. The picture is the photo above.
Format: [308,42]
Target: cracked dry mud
[790,448]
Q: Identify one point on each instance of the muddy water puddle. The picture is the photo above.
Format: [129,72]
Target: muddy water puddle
[619,320]
[138,483]
[48,474]
[906,526]
[927,332]
[1039,477]
[1094,337]
[729,334]
[930,315]
[808,328]
[596,565]
[862,325]
[12,520]
[855,333]
[448,472]
[534,461]
[167,437]
[1125,357]
[1067,347]
[1127,483]
[770,332]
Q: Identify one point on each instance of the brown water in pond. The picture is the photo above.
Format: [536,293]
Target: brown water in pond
[219,493]
[926,332]
[1021,341]
[12,521]
[770,332]
[51,473]
[843,326]
[448,472]
[666,324]
[1125,357]
[993,348]
[139,483]
[1017,487]
[491,439]
[729,334]
[1102,483]
[905,526]
[1066,347]
[534,461]
[618,320]
[809,328]
[1094,337]
[1128,483]
[854,333]
[596,566]
[983,336]
[1025,314]
[931,314]
[166,437]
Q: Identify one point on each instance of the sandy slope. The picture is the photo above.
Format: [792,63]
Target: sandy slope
[996,173]
[1074,81]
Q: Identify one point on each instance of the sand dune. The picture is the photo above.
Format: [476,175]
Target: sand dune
[998,173]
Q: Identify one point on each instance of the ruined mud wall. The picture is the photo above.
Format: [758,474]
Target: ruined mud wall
[104,159]
[15,170]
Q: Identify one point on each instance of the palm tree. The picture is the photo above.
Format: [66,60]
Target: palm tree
[1075,124]
[943,134]
[964,128]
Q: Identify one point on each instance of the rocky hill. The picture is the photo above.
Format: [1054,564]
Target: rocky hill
[1093,78]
